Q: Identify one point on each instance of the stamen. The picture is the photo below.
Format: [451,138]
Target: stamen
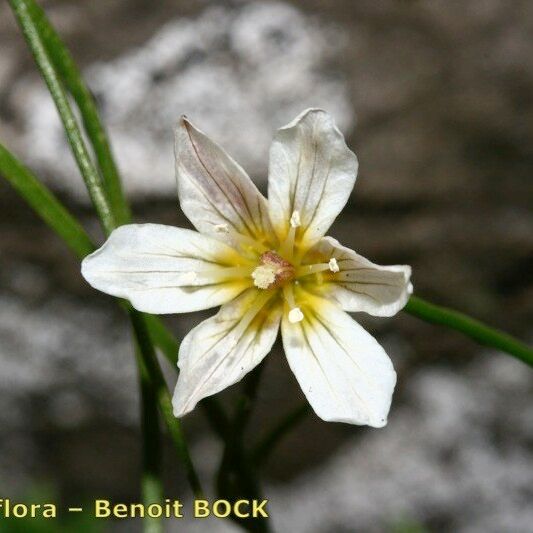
[221,228]
[295,219]
[246,243]
[287,248]
[295,313]
[289,296]
[305,270]
[333,265]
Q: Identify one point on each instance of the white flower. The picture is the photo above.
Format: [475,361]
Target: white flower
[266,262]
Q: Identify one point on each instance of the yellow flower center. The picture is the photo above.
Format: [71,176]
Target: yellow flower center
[281,269]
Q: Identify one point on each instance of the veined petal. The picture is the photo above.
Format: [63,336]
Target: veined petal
[222,349]
[215,192]
[343,371]
[361,285]
[311,173]
[162,269]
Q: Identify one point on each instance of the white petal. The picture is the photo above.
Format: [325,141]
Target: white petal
[361,285]
[222,349]
[343,371]
[311,172]
[215,192]
[162,269]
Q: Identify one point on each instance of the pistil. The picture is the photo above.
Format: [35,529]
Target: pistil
[273,271]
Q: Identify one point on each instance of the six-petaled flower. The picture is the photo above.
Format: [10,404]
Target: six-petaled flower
[266,263]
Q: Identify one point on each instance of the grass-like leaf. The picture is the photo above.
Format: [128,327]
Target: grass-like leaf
[32,33]
[45,204]
[470,327]
[75,84]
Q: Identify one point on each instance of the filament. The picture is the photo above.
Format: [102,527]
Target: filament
[295,313]
[306,270]
[287,247]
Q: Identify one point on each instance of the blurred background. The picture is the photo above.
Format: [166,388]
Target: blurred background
[436,99]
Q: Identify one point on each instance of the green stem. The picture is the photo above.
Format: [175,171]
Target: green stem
[73,79]
[163,339]
[151,482]
[42,58]
[236,477]
[169,346]
[470,327]
[157,381]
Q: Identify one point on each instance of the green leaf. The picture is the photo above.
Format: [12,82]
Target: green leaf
[45,204]
[162,338]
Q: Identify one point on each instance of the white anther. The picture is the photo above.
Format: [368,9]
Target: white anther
[295,219]
[221,228]
[189,278]
[295,315]
[263,276]
[333,265]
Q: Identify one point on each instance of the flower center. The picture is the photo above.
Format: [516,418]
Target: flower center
[273,271]
[278,270]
